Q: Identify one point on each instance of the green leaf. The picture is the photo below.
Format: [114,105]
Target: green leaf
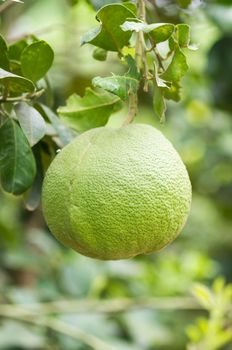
[184,3]
[16,49]
[65,134]
[183,34]
[100,54]
[17,164]
[204,295]
[109,35]
[218,285]
[173,92]
[171,43]
[160,32]
[159,104]
[131,6]
[222,339]
[15,67]
[3,44]
[133,70]
[193,47]
[157,31]
[117,85]
[4,61]
[14,83]
[36,59]
[90,111]
[159,82]
[31,122]
[177,68]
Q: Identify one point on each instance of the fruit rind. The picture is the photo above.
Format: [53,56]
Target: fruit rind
[117,193]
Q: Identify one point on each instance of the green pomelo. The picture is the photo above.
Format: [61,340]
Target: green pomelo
[117,193]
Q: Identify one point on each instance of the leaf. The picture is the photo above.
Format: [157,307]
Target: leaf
[218,285]
[3,44]
[90,111]
[117,85]
[109,35]
[31,122]
[15,83]
[222,338]
[177,68]
[16,49]
[184,3]
[65,134]
[131,6]
[36,59]
[17,164]
[160,32]
[193,47]
[159,104]
[183,34]
[133,70]
[17,335]
[203,294]
[157,31]
[100,54]
[133,26]
[4,61]
[159,82]
[173,92]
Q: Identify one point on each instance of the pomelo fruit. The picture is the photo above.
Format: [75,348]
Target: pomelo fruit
[117,193]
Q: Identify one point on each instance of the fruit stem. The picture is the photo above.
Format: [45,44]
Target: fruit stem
[141,62]
[133,107]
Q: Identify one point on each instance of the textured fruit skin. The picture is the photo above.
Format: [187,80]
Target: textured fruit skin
[116,193]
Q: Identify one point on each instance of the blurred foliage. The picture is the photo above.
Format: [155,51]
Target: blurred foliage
[214,333]
[36,269]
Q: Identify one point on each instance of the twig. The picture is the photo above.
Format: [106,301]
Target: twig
[133,108]
[100,306]
[23,98]
[159,58]
[64,328]
[154,49]
[139,46]
[39,313]
[141,62]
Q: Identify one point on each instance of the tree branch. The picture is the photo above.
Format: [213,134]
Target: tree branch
[23,98]
[100,306]
[141,63]
[64,328]
[133,108]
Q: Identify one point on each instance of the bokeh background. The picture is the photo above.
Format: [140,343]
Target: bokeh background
[36,269]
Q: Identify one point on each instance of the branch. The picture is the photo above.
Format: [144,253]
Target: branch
[140,43]
[64,328]
[100,306]
[140,58]
[23,98]
[133,108]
